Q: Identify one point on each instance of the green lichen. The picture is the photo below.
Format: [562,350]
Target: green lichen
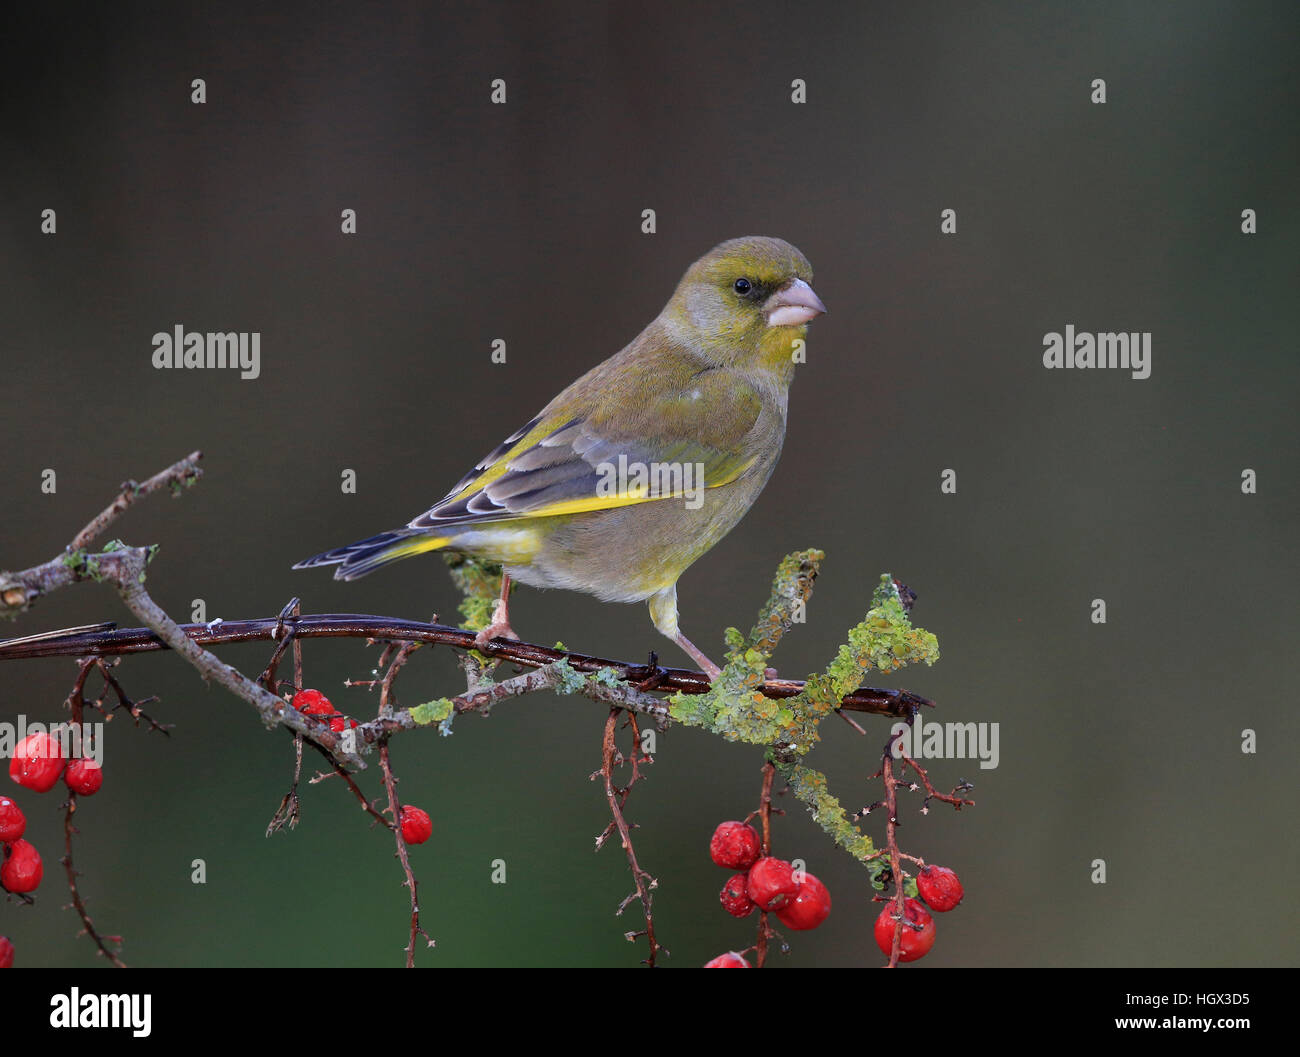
[568,679]
[88,566]
[435,711]
[885,640]
[735,708]
[810,788]
[607,676]
[479,583]
[177,486]
[791,588]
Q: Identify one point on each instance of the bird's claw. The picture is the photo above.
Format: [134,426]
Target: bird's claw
[494,631]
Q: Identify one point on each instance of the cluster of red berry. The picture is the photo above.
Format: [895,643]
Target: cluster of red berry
[37,764]
[797,898]
[416,825]
[942,890]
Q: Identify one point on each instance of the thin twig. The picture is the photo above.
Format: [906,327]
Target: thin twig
[390,787]
[933,794]
[400,657]
[178,475]
[616,798]
[76,701]
[18,591]
[765,816]
[891,839]
[134,708]
[340,772]
[288,812]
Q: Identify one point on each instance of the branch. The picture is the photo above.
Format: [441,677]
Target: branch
[98,640]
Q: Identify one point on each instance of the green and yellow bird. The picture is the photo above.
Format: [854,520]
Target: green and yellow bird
[646,461]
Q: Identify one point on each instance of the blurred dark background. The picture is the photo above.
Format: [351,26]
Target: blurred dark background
[522,222]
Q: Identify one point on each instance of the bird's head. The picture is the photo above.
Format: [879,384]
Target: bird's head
[745,302]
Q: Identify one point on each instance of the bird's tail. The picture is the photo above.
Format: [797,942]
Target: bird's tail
[365,556]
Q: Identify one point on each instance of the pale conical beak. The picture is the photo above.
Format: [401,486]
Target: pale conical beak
[793,304]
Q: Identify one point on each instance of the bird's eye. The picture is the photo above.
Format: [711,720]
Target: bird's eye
[742,286]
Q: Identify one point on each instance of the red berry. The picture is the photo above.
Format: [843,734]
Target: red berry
[6,953]
[729,960]
[417,827]
[771,883]
[37,763]
[735,897]
[734,845]
[338,723]
[313,703]
[939,887]
[809,907]
[12,822]
[911,944]
[84,777]
[22,870]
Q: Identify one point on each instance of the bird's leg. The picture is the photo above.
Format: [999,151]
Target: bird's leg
[663,613]
[500,625]
[707,666]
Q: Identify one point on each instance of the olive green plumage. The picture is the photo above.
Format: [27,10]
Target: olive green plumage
[701,390]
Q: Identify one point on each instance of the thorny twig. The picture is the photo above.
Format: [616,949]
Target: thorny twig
[134,708]
[106,944]
[892,781]
[288,810]
[765,815]
[287,813]
[933,794]
[616,798]
[99,639]
[891,838]
[400,656]
[390,786]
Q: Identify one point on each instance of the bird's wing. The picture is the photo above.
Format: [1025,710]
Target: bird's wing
[678,439]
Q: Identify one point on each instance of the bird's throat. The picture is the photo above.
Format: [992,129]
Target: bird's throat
[781,349]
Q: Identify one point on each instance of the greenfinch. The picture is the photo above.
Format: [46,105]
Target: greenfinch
[646,461]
